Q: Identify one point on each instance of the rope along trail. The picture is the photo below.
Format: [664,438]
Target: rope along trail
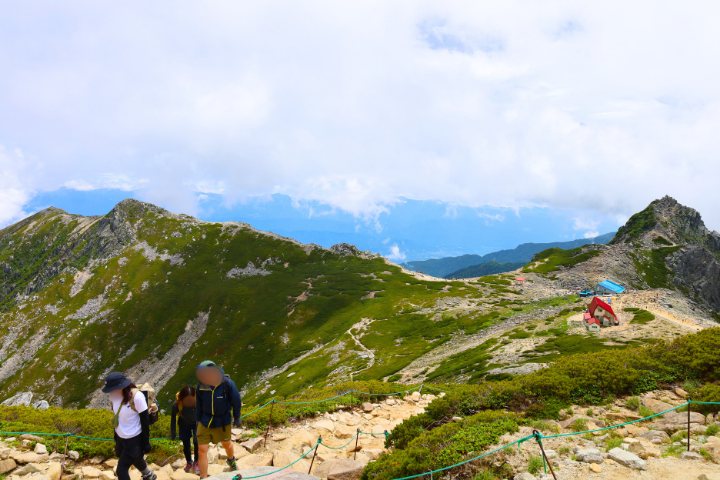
[537,436]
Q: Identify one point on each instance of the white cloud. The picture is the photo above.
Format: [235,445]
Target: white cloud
[358,104]
[591,234]
[396,255]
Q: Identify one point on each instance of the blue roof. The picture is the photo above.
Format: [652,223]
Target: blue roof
[612,286]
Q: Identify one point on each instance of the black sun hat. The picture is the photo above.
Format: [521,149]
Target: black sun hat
[115,381]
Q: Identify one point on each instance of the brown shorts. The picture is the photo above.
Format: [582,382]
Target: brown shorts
[215,435]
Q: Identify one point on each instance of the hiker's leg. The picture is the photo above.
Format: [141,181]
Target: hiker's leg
[202,460]
[229,449]
[195,444]
[186,450]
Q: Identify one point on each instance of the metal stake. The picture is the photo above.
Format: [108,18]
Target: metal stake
[537,438]
[313,459]
[357,439]
[62,465]
[272,406]
[688,437]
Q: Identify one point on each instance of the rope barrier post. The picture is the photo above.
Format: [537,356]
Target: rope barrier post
[357,439]
[537,435]
[315,453]
[351,400]
[272,406]
[688,429]
[421,387]
[62,465]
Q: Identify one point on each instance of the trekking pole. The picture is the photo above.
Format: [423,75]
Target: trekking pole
[272,406]
[315,453]
[357,439]
[62,465]
[536,434]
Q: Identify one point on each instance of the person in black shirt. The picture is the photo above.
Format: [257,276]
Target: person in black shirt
[184,411]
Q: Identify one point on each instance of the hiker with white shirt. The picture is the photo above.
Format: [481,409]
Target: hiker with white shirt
[132,425]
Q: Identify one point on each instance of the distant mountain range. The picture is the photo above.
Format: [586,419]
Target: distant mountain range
[488,268]
[447,266]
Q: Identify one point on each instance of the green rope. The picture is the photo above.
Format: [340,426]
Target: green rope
[616,426]
[339,448]
[313,401]
[704,403]
[259,408]
[71,435]
[286,466]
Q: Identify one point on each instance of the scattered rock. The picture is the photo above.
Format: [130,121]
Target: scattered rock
[627,459]
[457,419]
[339,469]
[73,455]
[595,468]
[367,407]
[106,475]
[90,472]
[252,444]
[524,476]
[54,471]
[644,450]
[181,474]
[690,456]
[40,449]
[29,457]
[7,465]
[328,425]
[97,460]
[283,459]
[588,455]
[680,392]
[656,405]
[31,437]
[415,397]
[655,435]
[24,398]
[254,460]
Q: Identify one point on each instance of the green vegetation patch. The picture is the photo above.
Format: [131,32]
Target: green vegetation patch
[554,258]
[642,317]
[472,362]
[651,265]
[637,224]
[569,344]
[662,241]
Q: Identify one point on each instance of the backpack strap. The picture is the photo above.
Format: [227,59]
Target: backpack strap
[131,403]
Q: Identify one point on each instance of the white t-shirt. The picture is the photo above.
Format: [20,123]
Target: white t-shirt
[129,421]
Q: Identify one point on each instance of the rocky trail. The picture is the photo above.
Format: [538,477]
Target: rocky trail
[654,449]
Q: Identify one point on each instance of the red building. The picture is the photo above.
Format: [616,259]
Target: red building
[603,313]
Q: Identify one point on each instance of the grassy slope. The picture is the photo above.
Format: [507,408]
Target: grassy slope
[251,328]
[489,268]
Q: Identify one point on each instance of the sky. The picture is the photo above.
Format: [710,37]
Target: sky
[587,111]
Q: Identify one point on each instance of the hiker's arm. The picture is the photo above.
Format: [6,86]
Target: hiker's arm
[172,420]
[198,405]
[236,403]
[145,434]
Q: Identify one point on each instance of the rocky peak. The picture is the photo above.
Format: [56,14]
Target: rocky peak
[666,222]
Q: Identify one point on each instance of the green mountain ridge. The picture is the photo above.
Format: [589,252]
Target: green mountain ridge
[487,268]
[443,267]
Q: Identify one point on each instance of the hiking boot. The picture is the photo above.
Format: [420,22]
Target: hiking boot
[149,476]
[196,467]
[188,467]
[232,463]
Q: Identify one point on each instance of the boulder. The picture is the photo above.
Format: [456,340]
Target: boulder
[714,450]
[97,460]
[252,444]
[283,459]
[328,425]
[644,450]
[627,459]
[279,437]
[655,436]
[712,439]
[24,398]
[373,453]
[680,392]
[634,430]
[54,471]
[31,437]
[524,476]
[90,472]
[107,475]
[390,401]
[239,451]
[160,476]
[588,455]
[41,405]
[367,407]
[339,469]
[690,456]
[4,453]
[28,469]
[181,474]
[595,468]
[40,449]
[254,460]
[29,457]
[345,432]
[570,421]
[415,397]
[167,469]
[216,469]
[111,462]
[656,405]
[7,465]
[622,416]
[73,455]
